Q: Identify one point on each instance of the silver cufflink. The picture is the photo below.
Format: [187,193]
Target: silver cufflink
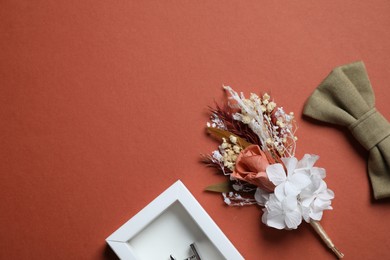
[195,255]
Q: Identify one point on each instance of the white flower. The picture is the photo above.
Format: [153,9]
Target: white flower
[299,192]
[307,163]
[290,184]
[217,155]
[282,214]
[315,199]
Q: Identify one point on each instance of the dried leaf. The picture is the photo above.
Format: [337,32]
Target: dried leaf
[219,187]
[226,134]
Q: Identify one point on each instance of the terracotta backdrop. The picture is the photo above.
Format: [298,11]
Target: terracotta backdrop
[103,106]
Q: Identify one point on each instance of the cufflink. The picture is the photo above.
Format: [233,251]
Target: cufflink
[195,253]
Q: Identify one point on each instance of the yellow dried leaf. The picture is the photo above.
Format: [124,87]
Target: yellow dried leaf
[219,133]
[219,187]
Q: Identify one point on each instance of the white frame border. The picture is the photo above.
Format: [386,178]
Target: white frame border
[118,240]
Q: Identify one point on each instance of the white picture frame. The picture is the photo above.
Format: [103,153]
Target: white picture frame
[167,226]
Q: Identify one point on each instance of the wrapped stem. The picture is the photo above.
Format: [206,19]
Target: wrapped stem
[321,232]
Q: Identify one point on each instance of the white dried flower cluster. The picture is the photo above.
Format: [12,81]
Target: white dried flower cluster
[216,122]
[215,159]
[258,113]
[229,150]
[283,132]
[235,199]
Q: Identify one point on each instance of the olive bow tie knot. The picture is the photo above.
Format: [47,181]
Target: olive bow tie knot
[346,98]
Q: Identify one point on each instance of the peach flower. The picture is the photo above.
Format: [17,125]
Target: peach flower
[250,166]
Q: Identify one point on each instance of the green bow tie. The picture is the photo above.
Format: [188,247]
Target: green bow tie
[346,98]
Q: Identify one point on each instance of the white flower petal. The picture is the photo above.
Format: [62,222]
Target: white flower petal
[321,172]
[300,180]
[317,183]
[307,161]
[320,205]
[307,201]
[273,204]
[290,189]
[306,214]
[275,219]
[261,196]
[265,216]
[279,192]
[293,219]
[316,215]
[276,173]
[290,164]
[326,195]
[290,203]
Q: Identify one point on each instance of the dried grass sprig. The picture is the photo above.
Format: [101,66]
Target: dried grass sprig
[238,128]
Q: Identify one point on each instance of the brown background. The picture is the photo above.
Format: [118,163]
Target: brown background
[103,106]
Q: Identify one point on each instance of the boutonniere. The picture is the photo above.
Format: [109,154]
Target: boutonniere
[256,154]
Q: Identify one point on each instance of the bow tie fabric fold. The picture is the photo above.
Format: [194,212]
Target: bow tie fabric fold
[346,98]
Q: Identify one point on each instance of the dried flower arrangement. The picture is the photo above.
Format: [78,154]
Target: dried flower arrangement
[257,155]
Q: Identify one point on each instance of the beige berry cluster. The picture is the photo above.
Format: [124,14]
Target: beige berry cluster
[267,105]
[230,150]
